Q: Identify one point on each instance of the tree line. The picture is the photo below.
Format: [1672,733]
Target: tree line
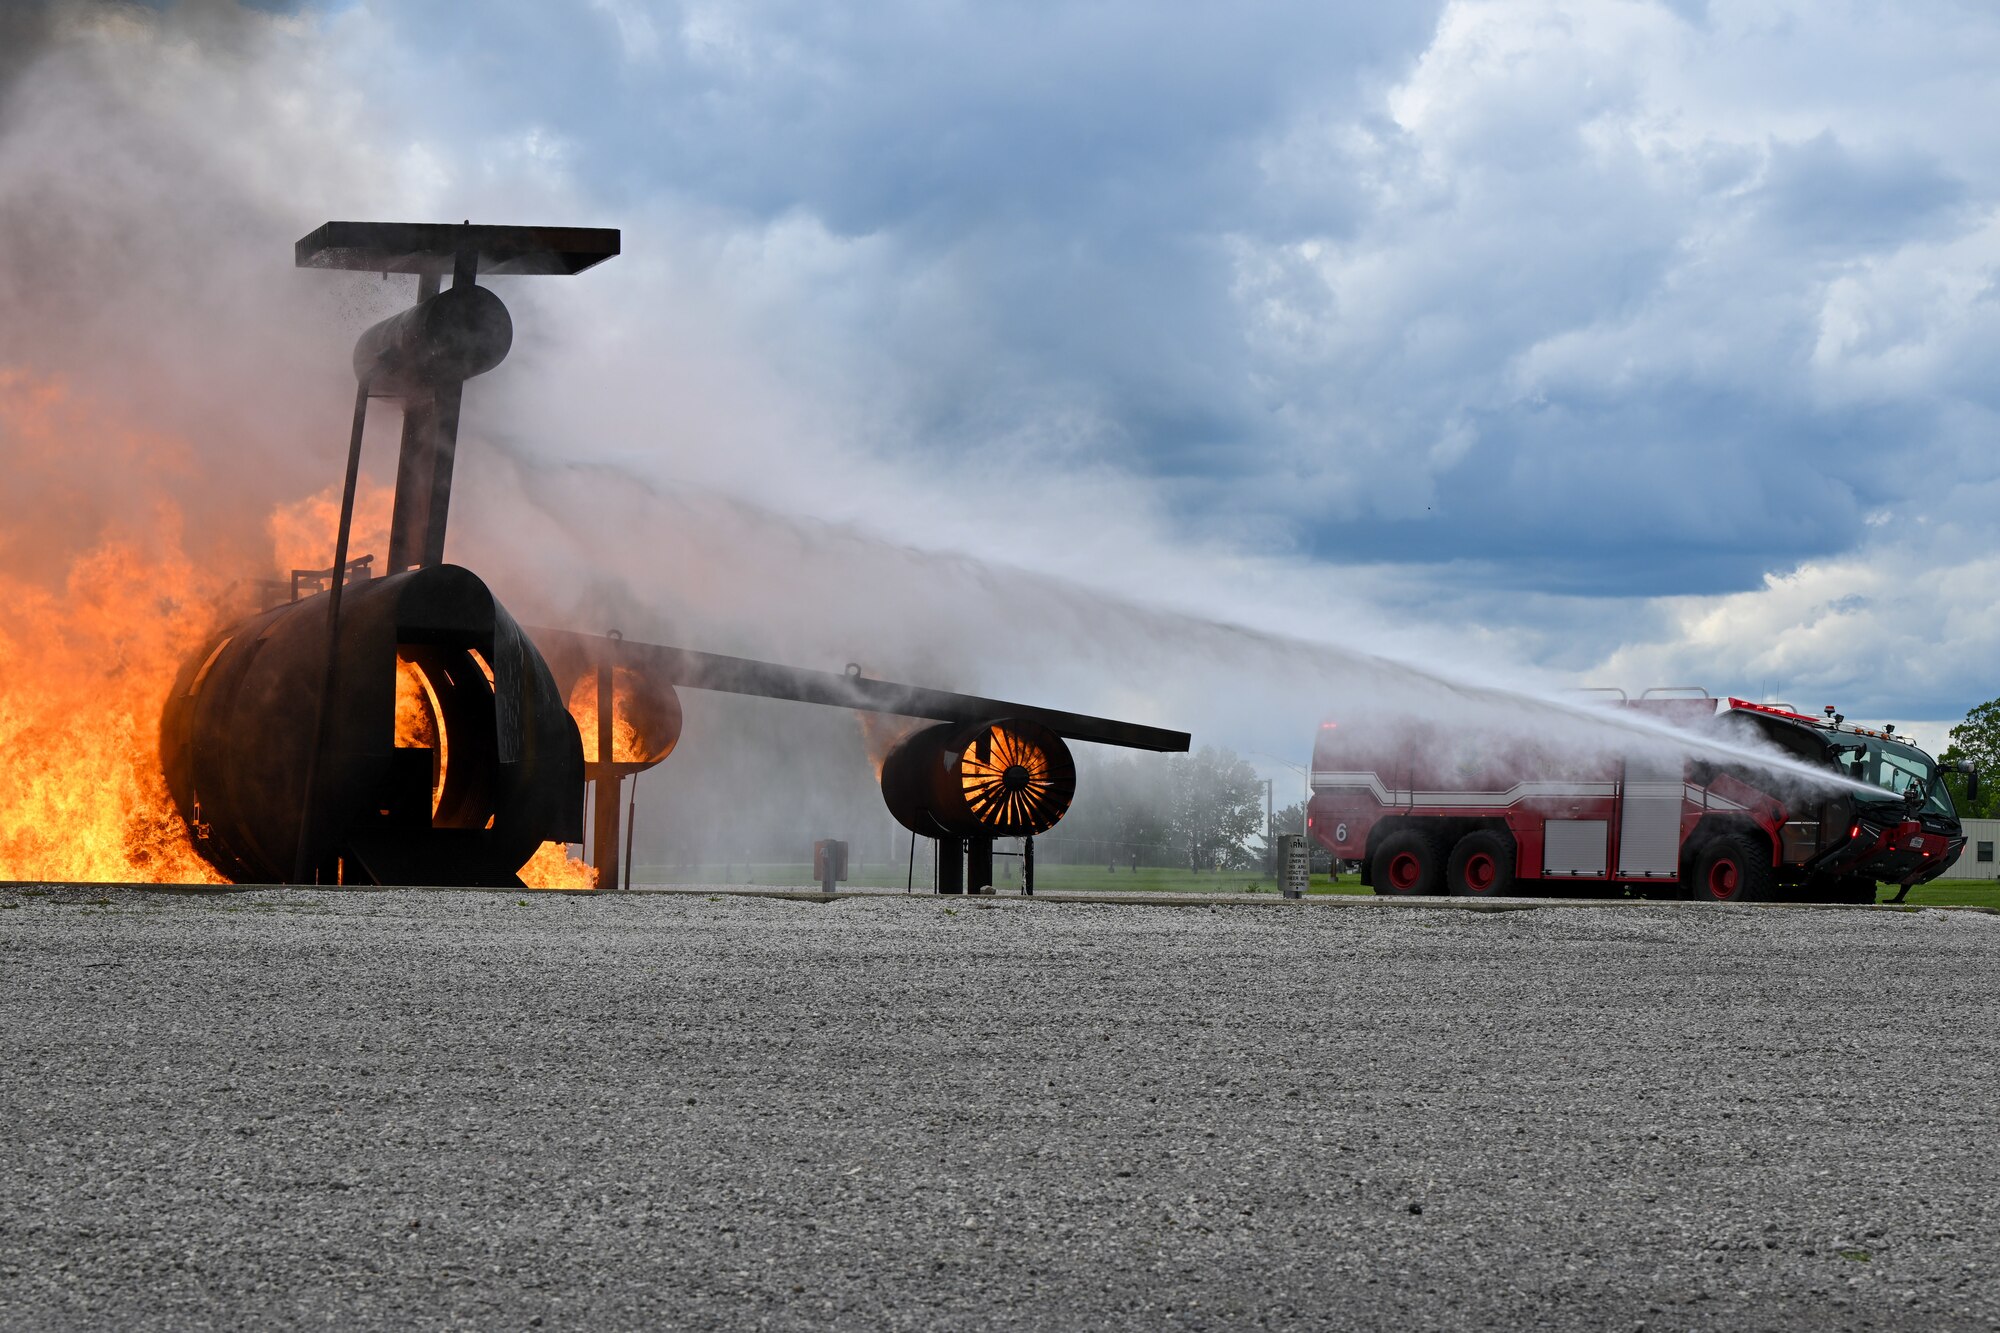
[1201,811]
[1977,739]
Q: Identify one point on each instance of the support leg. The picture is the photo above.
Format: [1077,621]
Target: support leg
[444,455]
[410,520]
[978,864]
[951,865]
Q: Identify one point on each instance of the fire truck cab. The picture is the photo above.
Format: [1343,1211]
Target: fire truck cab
[1427,810]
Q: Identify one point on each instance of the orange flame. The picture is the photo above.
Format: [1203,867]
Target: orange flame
[84,667]
[882,733]
[629,745]
[302,533]
[90,644]
[552,867]
[82,676]
[418,726]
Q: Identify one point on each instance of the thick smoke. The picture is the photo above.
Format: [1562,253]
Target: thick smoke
[699,569]
[153,168]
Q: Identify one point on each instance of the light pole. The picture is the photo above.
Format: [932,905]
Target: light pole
[1270,832]
[1270,818]
[1305,775]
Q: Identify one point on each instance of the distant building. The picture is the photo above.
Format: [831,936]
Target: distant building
[1978,860]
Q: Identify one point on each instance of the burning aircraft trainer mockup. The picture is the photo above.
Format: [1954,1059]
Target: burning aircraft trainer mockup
[404,729]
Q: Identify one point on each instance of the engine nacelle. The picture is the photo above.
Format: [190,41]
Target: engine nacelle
[1001,779]
[450,757]
[645,720]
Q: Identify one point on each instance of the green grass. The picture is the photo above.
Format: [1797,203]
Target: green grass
[1951,893]
[1149,879]
[1068,879]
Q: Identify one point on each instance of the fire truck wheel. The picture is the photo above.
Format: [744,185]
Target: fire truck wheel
[1729,870]
[1481,866]
[1408,863]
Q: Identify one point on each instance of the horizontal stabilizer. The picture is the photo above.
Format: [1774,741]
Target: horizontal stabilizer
[434,247]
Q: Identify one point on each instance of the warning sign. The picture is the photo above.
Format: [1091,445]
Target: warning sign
[1294,864]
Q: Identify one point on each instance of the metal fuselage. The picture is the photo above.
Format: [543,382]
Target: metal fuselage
[501,773]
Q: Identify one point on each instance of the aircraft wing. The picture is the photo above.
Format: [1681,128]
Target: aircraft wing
[570,652]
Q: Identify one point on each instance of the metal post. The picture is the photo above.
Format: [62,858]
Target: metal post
[951,865]
[409,522]
[604,831]
[430,452]
[302,857]
[631,827]
[978,864]
[1270,828]
[446,402]
[1028,866]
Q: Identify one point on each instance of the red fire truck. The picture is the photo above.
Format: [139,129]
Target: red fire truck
[1426,809]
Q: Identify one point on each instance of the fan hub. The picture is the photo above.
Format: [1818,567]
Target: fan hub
[1016,778]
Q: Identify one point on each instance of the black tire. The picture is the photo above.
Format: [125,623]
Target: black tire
[1481,866]
[1408,864]
[1732,869]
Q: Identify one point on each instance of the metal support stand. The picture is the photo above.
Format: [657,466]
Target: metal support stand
[604,827]
[444,455]
[429,452]
[409,520]
[631,827]
[978,864]
[302,860]
[951,865]
[1028,866]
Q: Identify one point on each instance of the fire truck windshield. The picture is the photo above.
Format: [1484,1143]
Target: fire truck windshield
[1894,768]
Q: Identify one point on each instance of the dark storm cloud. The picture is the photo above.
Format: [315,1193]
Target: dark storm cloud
[1685,488]
[1823,193]
[25,29]
[30,29]
[908,115]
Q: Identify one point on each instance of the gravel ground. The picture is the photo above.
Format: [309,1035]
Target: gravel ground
[422,1109]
